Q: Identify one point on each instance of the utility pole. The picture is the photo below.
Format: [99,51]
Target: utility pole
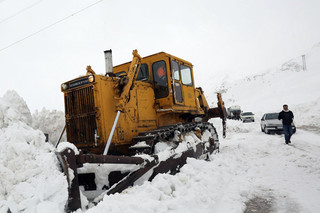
[304,65]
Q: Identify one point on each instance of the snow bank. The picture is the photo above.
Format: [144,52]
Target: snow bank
[50,122]
[307,114]
[30,176]
[13,109]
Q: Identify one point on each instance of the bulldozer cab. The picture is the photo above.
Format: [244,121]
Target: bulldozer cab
[171,79]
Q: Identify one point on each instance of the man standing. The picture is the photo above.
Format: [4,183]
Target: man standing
[287,117]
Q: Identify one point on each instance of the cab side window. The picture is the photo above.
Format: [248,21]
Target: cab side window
[176,83]
[186,76]
[143,73]
[175,69]
[160,80]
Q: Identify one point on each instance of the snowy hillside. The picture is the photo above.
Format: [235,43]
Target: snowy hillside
[286,84]
[253,170]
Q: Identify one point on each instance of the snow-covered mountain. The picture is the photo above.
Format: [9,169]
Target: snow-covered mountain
[252,167]
[285,84]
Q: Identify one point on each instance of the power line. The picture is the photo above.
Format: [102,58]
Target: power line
[49,26]
[20,11]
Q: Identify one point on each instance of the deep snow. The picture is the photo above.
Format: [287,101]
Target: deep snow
[29,171]
[251,166]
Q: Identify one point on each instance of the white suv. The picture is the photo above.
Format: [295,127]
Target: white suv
[247,116]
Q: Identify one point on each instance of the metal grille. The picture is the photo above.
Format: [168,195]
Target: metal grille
[79,101]
[80,116]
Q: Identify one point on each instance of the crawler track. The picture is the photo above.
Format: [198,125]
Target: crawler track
[167,133]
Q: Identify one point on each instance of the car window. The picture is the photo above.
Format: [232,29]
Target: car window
[271,116]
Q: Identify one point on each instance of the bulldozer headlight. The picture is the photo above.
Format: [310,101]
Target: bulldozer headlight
[64,86]
[91,78]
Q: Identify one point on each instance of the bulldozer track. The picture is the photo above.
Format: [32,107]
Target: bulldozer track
[166,133]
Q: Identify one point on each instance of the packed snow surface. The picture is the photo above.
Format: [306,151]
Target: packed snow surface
[252,170]
[250,164]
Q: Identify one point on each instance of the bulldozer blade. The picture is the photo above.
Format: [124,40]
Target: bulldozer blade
[68,161]
[172,165]
[71,162]
[132,177]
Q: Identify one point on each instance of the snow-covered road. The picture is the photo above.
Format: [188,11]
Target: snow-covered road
[252,169]
[264,166]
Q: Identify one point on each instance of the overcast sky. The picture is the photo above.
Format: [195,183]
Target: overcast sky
[44,43]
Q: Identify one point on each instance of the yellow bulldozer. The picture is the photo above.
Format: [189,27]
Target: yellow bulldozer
[120,117]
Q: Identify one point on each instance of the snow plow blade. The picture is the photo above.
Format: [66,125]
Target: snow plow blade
[70,163]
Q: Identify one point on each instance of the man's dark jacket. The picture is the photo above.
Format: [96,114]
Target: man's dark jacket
[287,117]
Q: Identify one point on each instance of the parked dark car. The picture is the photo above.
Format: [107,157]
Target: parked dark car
[270,123]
